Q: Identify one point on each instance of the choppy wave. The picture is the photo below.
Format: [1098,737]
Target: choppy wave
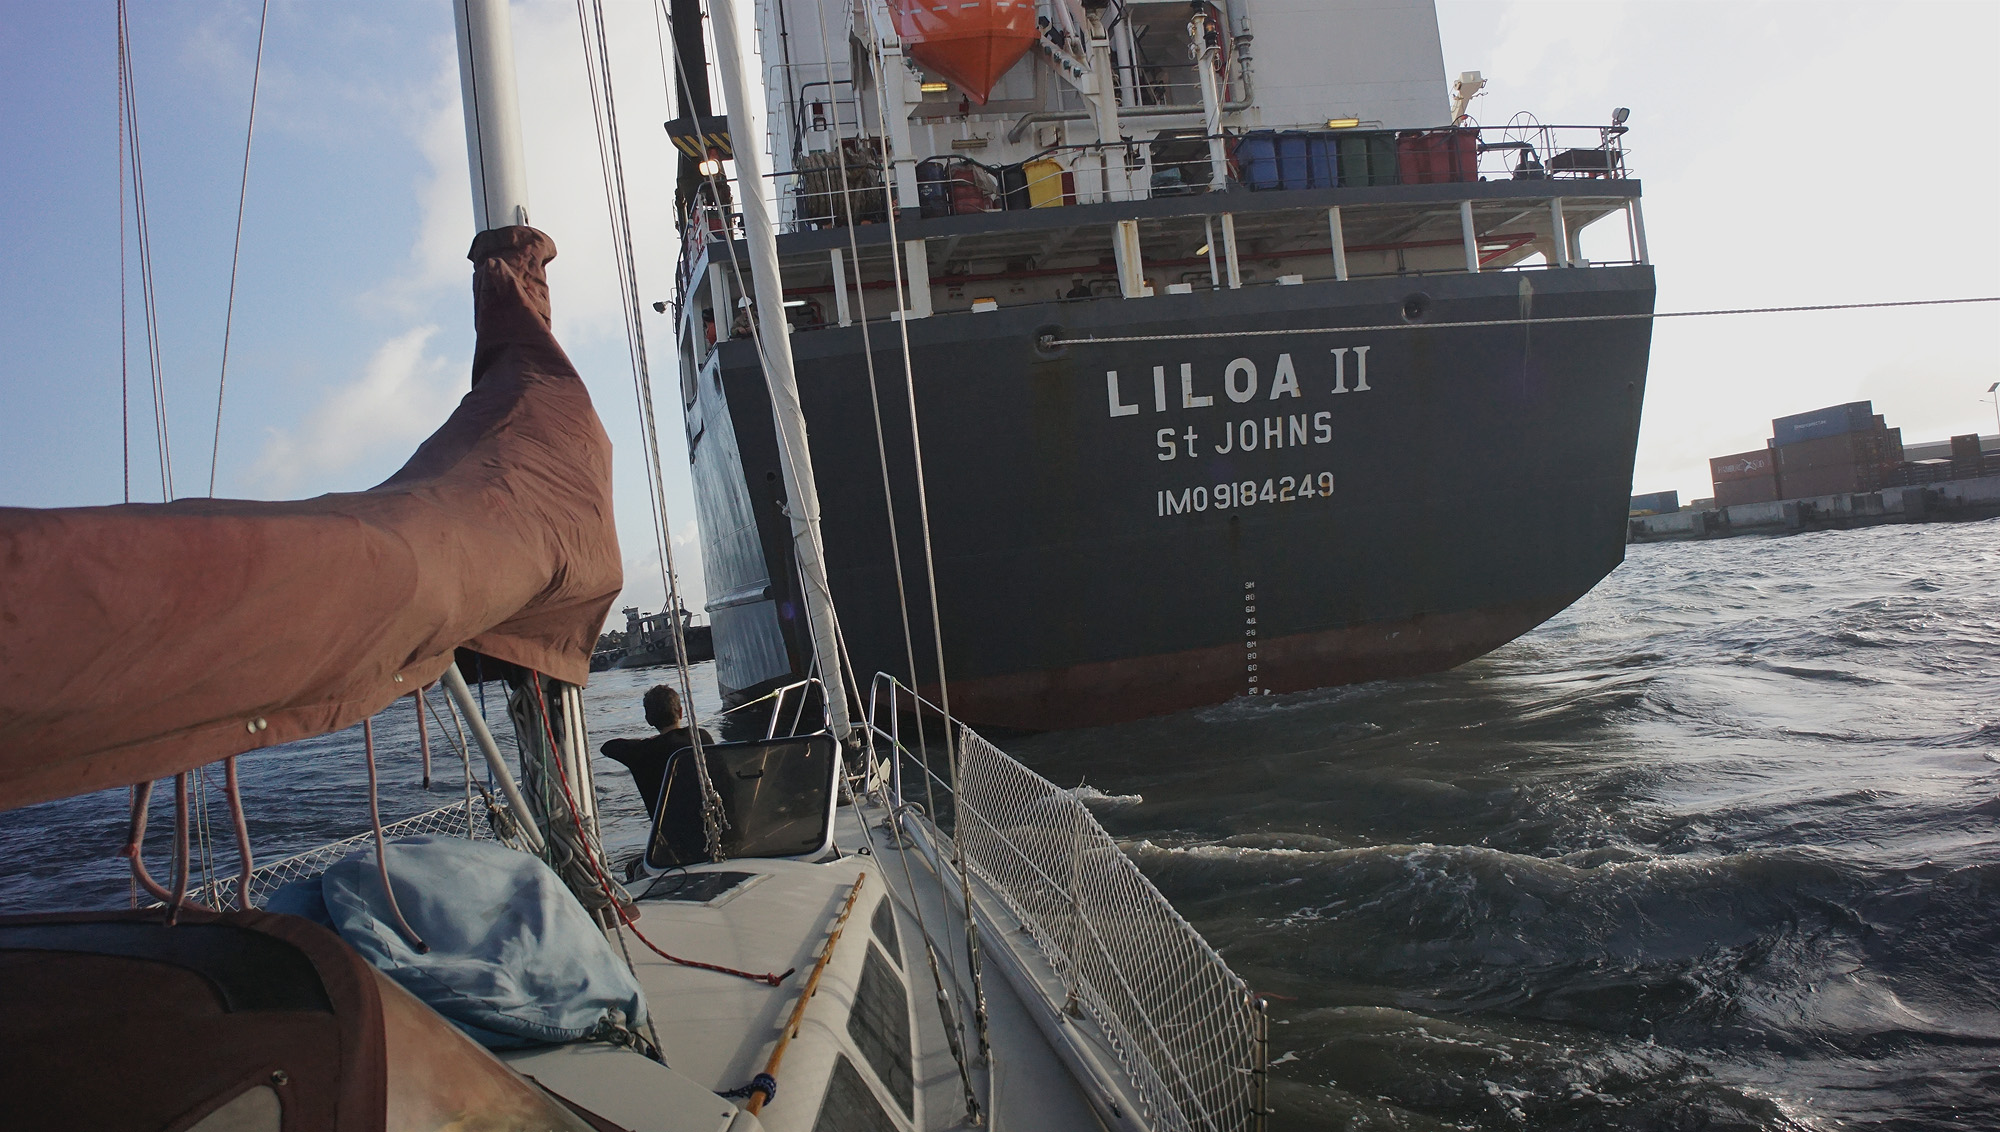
[1098,800]
[1718,847]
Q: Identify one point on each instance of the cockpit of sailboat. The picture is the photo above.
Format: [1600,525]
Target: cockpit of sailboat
[860,916]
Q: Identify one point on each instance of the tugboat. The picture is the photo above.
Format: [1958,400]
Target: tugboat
[1240,358]
[649,640]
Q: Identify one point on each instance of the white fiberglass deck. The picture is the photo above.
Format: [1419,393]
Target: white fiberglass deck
[717,1031]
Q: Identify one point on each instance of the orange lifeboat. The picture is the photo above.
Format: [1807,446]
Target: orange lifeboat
[970,42]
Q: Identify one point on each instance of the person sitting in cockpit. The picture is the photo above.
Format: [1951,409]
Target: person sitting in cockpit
[647,758]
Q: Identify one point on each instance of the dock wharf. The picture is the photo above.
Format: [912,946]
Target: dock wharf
[1948,501]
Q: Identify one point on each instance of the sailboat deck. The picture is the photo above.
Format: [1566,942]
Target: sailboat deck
[717,1032]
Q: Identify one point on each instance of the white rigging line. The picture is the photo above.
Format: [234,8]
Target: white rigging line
[611,163]
[1630,317]
[951,746]
[757,339]
[868,357]
[242,195]
[129,109]
[124,290]
[952,1024]
[755,318]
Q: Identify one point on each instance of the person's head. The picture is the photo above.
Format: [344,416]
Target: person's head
[663,707]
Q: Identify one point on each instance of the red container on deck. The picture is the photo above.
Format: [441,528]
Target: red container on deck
[1833,479]
[1755,489]
[1875,449]
[966,193]
[1756,463]
[1437,157]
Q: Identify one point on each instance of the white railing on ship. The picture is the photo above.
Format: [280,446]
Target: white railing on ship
[792,699]
[1190,1036]
[265,879]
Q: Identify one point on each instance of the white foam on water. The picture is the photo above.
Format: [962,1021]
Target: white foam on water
[1098,800]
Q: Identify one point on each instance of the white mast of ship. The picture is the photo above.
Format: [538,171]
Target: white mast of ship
[500,200]
[492,114]
[772,334]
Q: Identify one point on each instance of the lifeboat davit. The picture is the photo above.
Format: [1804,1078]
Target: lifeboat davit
[970,42]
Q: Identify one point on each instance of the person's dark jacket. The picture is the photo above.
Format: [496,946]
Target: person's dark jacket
[647,760]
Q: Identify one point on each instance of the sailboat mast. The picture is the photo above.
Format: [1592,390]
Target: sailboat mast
[774,333]
[492,114]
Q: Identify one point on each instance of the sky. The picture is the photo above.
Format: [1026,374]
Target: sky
[1791,153]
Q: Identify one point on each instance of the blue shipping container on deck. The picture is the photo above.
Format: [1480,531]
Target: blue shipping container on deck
[1834,420]
[1294,160]
[1323,157]
[1257,156]
[1657,503]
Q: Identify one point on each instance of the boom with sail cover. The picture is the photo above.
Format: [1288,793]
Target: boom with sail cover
[142,640]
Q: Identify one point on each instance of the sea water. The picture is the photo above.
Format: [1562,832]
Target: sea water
[302,795]
[1718,847]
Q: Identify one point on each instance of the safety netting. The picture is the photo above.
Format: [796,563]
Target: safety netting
[454,820]
[1185,1029]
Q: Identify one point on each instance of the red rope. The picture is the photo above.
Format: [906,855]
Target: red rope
[381,849]
[229,787]
[135,843]
[604,885]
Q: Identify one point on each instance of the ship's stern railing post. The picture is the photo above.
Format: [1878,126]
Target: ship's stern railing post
[1339,243]
[1558,232]
[1208,245]
[917,266]
[1229,251]
[1471,235]
[842,313]
[1131,261]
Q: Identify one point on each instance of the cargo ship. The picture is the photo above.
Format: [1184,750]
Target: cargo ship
[1233,345]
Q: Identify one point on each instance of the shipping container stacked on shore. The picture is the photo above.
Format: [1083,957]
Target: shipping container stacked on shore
[1967,459]
[1746,477]
[1866,460]
[1830,451]
[1656,503]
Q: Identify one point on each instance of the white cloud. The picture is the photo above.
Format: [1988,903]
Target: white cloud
[402,395]
[429,286]
[436,264]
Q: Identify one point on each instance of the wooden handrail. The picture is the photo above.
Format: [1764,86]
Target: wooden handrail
[758,1094]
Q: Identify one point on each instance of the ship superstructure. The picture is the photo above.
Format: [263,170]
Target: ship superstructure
[1232,344]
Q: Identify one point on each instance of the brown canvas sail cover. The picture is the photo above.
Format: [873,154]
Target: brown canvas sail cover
[142,640]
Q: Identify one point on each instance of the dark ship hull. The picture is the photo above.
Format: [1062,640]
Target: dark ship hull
[1107,552]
